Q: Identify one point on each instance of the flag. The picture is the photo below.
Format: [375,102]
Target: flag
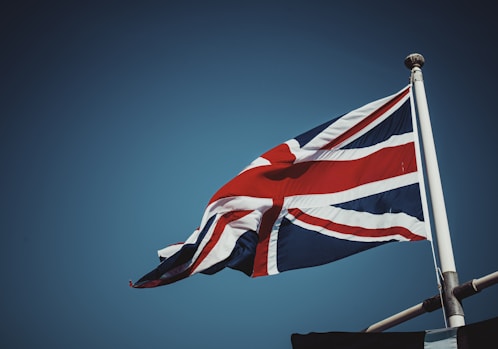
[345,186]
[479,335]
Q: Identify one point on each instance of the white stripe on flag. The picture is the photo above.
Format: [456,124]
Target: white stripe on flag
[363,220]
[273,243]
[319,200]
[351,119]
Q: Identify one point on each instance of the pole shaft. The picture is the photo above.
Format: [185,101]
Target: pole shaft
[454,310]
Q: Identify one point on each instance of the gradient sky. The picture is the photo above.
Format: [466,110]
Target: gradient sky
[120,119]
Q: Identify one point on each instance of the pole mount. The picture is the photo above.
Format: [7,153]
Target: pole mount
[414,60]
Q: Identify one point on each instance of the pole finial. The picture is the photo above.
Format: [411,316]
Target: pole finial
[414,60]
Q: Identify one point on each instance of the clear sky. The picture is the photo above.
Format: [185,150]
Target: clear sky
[120,119]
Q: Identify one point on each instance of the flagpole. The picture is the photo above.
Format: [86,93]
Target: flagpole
[452,306]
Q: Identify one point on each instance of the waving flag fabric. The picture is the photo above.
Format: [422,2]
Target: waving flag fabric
[348,185]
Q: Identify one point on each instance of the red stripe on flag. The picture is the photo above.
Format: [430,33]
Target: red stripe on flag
[281,153]
[268,220]
[352,230]
[368,120]
[318,177]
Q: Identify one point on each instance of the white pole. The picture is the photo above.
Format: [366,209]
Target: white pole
[454,311]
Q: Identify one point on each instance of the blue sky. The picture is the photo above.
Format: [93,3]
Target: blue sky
[119,120]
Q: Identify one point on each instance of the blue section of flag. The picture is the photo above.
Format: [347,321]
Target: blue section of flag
[404,199]
[397,124]
[301,248]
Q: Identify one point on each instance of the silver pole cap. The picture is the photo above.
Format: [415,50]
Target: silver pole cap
[414,60]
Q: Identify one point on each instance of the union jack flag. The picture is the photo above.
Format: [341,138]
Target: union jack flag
[348,185]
